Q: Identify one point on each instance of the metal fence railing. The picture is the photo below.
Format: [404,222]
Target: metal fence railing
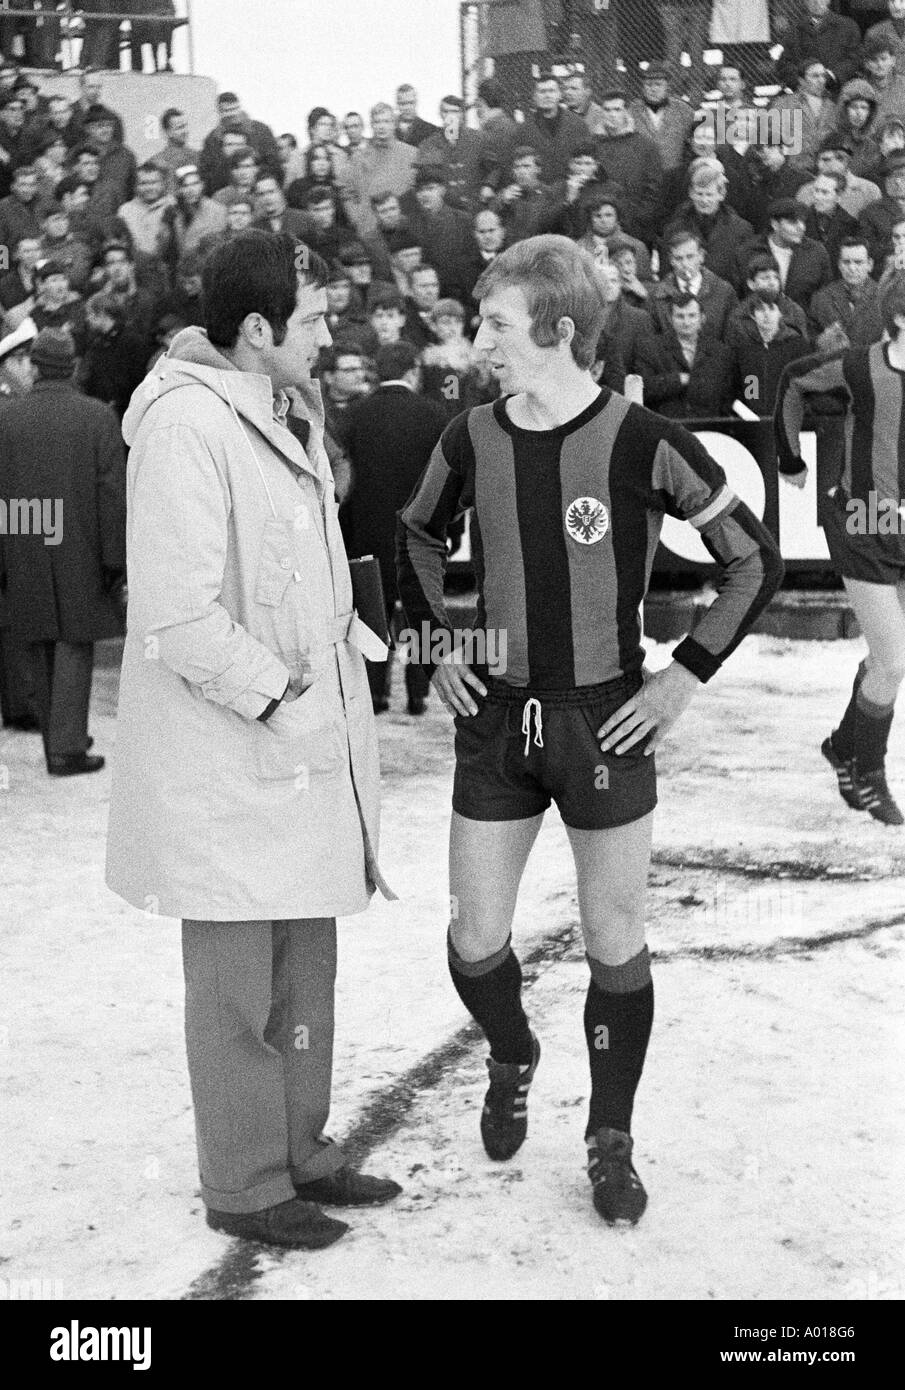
[612,41]
[81,33]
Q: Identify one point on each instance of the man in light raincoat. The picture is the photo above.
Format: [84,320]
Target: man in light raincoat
[246,777]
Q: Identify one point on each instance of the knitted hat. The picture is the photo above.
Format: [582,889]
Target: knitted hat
[53,353]
[655,72]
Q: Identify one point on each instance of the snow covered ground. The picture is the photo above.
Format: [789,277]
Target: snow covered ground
[768,1126]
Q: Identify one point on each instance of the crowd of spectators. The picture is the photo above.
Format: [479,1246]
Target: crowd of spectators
[726,247]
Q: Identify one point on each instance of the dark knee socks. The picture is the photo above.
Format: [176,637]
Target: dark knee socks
[864,731]
[844,736]
[491,991]
[618,1016]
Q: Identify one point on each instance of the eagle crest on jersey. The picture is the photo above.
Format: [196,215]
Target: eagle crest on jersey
[587,520]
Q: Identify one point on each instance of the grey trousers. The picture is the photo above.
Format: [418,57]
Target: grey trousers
[259,1038]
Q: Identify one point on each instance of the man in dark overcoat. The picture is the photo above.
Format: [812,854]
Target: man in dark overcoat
[62,509]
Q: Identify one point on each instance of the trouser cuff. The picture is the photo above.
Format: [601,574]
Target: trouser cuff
[265,1194]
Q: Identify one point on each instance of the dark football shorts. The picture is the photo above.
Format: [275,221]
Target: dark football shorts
[871,558]
[525,748]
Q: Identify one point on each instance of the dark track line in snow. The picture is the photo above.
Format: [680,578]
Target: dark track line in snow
[234,1276]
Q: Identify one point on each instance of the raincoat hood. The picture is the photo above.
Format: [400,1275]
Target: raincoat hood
[192,360]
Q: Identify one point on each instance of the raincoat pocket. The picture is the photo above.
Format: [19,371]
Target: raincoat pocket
[303,738]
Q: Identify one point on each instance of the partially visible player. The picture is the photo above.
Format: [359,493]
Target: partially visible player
[567,483]
[865,533]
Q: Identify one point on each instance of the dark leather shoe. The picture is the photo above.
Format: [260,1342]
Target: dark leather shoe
[417,707]
[346,1188]
[71,767]
[294,1224]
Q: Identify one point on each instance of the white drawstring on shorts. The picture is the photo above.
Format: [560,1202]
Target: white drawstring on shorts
[533,705]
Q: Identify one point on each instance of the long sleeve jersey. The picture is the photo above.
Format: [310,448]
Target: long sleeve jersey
[874,422]
[564,527]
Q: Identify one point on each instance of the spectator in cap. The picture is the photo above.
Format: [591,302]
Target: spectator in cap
[831,39]
[18,708]
[878,220]
[461,154]
[59,243]
[661,117]
[857,107]
[834,157]
[19,209]
[812,114]
[880,69]
[56,304]
[66,450]
[444,233]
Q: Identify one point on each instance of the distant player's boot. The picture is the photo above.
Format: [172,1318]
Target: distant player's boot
[874,796]
[844,770]
[504,1119]
[619,1194]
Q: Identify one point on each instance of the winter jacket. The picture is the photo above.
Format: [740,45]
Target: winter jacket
[238,579]
[758,366]
[60,446]
[709,390]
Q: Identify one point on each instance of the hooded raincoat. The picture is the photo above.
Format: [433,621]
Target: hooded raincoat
[238,579]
